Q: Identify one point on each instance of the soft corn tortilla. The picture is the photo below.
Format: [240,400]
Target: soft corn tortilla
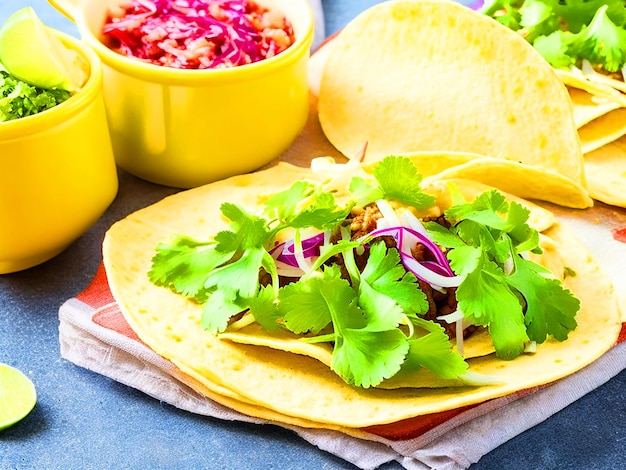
[600,115]
[294,389]
[606,168]
[434,75]
[595,83]
[525,181]
[599,119]
[588,106]
[599,132]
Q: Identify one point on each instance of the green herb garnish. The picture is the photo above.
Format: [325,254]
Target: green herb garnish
[565,32]
[515,298]
[373,315]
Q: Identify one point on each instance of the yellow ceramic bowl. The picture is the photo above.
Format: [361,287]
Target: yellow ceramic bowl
[57,173]
[185,128]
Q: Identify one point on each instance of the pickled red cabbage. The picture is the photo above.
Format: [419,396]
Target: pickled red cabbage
[197,34]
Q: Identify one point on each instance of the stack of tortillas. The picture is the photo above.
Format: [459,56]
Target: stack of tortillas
[431,76]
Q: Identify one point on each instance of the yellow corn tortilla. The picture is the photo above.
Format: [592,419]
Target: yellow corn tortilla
[606,168]
[589,106]
[600,114]
[434,75]
[522,180]
[595,83]
[294,389]
[600,132]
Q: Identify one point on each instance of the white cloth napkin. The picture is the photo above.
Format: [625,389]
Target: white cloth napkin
[454,444]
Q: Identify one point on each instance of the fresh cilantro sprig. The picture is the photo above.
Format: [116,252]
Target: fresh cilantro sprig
[513,297]
[567,32]
[373,315]
[397,178]
[365,320]
[223,274]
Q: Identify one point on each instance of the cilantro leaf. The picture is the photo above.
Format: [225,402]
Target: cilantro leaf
[384,275]
[264,309]
[247,231]
[306,305]
[397,179]
[566,32]
[493,218]
[494,232]
[364,192]
[218,309]
[434,352]
[305,205]
[240,277]
[365,358]
[322,213]
[502,291]
[490,209]
[183,264]
[486,299]
[465,259]
[367,349]
[503,11]
[550,308]
[283,206]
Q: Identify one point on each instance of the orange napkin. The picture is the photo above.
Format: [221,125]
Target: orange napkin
[93,334]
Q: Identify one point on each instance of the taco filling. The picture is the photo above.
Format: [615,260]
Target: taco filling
[384,279]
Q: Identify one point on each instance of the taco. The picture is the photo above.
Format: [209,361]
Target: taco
[584,41]
[429,75]
[198,265]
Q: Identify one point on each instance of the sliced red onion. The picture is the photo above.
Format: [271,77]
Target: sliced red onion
[460,345]
[408,219]
[406,238]
[285,256]
[437,274]
[425,274]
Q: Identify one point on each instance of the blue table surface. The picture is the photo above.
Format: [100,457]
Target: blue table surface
[85,420]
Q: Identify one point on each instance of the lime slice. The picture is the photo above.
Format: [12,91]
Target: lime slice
[31,52]
[17,396]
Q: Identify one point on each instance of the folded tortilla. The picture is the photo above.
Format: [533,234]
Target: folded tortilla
[433,75]
[296,389]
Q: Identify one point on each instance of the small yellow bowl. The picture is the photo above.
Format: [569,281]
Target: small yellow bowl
[185,128]
[57,173]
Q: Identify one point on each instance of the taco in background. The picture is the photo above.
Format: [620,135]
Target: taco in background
[410,76]
[602,131]
[588,107]
[606,168]
[584,40]
[295,388]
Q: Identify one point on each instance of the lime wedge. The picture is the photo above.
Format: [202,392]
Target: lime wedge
[17,396]
[31,52]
